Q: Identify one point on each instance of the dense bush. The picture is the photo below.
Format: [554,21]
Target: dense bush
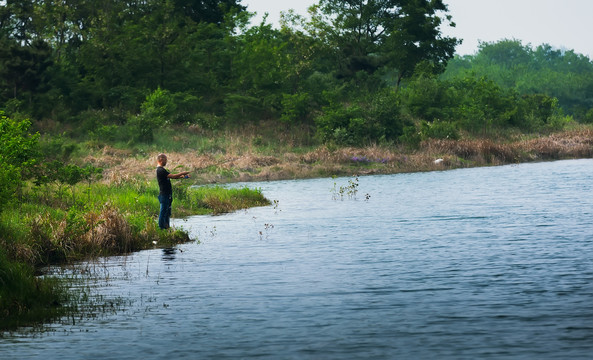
[428,98]
[370,119]
[19,152]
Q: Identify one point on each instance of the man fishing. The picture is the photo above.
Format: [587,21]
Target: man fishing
[166,190]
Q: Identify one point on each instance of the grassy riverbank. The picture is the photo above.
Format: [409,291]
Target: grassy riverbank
[56,225]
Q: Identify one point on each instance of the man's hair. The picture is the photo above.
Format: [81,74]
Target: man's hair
[160,157]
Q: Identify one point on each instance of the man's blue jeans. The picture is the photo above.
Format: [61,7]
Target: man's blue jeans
[165,212]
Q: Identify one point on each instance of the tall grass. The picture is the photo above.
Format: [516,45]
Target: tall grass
[107,219]
[25,298]
[218,200]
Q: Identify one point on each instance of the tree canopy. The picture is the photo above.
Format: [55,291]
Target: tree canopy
[353,70]
[562,74]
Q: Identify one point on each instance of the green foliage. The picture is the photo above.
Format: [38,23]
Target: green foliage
[295,107]
[536,112]
[482,105]
[439,130]
[367,120]
[156,111]
[24,70]
[339,124]
[476,104]
[559,74]
[371,35]
[425,97]
[411,137]
[18,148]
[9,183]
[105,133]
[63,174]
[25,298]
[220,200]
[350,190]
[140,129]
[159,108]
[79,63]
[121,71]
[242,108]
[385,111]
[588,117]
[18,151]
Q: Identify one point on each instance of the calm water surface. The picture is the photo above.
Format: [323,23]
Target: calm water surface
[488,263]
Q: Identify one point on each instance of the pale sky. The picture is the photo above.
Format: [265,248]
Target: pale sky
[564,24]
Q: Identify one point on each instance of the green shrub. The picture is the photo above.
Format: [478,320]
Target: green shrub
[159,107]
[411,137]
[372,118]
[19,150]
[385,111]
[427,98]
[588,119]
[140,129]
[438,130]
[108,133]
[558,122]
[341,124]
[482,104]
[538,112]
[295,107]
[186,107]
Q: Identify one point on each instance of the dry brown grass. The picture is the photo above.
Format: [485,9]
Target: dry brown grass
[109,230]
[571,144]
[482,151]
[242,162]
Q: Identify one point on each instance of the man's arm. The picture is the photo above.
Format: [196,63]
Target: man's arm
[179,175]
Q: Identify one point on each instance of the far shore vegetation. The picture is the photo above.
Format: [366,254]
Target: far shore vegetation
[89,95]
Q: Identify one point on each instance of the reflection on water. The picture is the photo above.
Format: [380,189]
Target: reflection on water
[483,263]
[169,255]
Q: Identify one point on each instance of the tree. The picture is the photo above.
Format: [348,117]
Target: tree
[415,37]
[23,68]
[210,11]
[391,34]
[555,73]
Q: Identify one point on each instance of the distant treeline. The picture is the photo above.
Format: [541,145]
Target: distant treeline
[356,72]
[562,74]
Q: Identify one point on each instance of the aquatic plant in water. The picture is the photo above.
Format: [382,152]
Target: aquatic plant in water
[350,190]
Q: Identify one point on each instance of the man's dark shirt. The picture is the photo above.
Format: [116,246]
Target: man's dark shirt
[164,182]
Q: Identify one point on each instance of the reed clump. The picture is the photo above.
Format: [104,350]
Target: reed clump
[25,298]
[220,200]
[479,151]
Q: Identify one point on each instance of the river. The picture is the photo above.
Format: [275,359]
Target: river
[483,263]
